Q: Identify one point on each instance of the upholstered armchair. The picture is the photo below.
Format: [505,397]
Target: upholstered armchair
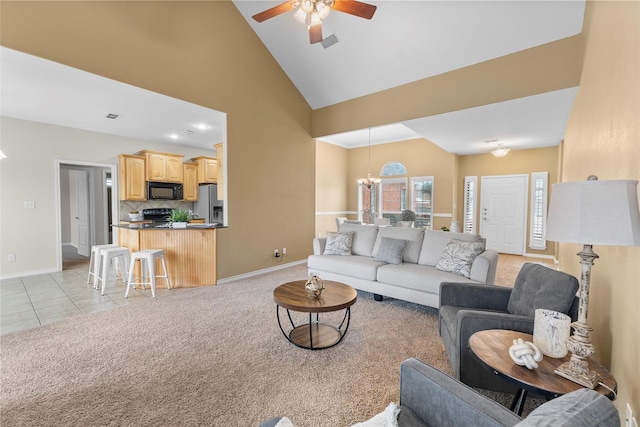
[467,308]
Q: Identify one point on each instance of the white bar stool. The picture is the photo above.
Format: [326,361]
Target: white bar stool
[118,256]
[147,259]
[94,261]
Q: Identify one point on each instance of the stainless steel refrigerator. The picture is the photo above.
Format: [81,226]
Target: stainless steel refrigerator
[208,206]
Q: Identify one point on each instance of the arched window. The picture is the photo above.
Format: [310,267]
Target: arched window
[393,169]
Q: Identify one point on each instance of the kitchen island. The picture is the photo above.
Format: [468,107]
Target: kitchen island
[190,253]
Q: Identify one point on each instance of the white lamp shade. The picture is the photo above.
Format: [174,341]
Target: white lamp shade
[594,212]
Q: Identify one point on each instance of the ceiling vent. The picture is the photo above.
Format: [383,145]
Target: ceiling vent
[112,116]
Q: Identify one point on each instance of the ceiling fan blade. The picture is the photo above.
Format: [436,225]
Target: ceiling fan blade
[315,33]
[274,11]
[353,7]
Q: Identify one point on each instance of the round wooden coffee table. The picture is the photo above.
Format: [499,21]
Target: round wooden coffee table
[312,334]
[491,349]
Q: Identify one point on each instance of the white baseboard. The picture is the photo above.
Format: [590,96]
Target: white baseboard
[28,273]
[258,272]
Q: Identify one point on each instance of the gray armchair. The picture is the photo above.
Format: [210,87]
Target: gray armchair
[468,308]
[431,398]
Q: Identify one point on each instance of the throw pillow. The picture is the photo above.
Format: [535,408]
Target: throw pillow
[391,250]
[538,286]
[386,418]
[285,422]
[458,256]
[338,243]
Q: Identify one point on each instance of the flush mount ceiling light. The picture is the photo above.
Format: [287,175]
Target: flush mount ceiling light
[312,12]
[501,151]
[369,181]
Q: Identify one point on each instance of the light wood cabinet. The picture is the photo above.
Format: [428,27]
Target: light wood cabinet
[190,185]
[220,153]
[132,177]
[163,167]
[207,169]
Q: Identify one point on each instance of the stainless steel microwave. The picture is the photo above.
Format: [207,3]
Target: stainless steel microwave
[164,191]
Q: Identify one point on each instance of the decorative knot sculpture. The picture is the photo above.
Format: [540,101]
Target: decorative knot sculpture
[525,353]
[315,285]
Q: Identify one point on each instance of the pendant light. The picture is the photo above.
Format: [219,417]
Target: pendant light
[369,181]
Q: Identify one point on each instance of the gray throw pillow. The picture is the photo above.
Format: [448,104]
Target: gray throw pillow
[391,250]
[458,256]
[538,286]
[338,243]
[584,408]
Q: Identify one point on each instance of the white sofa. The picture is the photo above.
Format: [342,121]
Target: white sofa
[415,278]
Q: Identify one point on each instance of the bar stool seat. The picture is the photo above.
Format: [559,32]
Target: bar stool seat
[94,261]
[147,259]
[118,256]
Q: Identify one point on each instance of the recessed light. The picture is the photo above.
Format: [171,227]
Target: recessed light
[202,126]
[174,136]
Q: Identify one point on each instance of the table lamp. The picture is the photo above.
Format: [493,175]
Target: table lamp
[590,213]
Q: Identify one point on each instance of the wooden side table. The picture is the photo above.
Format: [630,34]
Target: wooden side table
[491,349]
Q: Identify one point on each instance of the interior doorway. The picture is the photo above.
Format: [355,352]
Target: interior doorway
[503,210]
[86,209]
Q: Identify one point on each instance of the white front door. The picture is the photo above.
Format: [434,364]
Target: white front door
[83,220]
[503,212]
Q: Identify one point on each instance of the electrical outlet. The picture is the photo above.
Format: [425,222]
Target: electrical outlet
[276,253]
[284,251]
[29,204]
[11,258]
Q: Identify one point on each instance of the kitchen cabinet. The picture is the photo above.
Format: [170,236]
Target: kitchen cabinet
[132,177]
[190,185]
[207,169]
[220,153]
[163,167]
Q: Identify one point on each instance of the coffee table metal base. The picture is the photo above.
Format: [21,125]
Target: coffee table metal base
[314,335]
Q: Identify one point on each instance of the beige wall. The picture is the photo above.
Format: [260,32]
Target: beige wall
[603,139]
[200,52]
[545,68]
[516,162]
[332,165]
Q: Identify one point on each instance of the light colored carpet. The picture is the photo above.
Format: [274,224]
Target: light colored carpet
[210,356]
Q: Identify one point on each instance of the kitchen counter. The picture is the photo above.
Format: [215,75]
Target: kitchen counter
[190,253]
[166,226]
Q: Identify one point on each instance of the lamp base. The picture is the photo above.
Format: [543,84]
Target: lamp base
[577,370]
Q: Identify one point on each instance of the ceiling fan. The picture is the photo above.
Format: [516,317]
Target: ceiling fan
[312,12]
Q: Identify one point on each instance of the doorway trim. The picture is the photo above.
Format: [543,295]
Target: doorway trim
[115,205]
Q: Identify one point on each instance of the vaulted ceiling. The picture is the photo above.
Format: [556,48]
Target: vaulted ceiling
[406,41]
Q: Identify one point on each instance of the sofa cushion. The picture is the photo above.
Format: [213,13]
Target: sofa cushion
[538,286]
[435,241]
[584,408]
[416,277]
[391,250]
[364,238]
[362,267]
[458,256]
[338,243]
[413,236]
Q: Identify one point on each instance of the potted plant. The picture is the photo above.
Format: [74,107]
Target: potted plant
[407,217]
[179,218]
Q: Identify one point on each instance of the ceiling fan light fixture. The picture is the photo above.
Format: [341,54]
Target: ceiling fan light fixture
[322,9]
[301,15]
[314,19]
[307,6]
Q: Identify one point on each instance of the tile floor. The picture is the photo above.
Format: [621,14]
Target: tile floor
[31,301]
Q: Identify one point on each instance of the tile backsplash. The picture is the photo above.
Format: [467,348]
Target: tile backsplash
[127,206]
